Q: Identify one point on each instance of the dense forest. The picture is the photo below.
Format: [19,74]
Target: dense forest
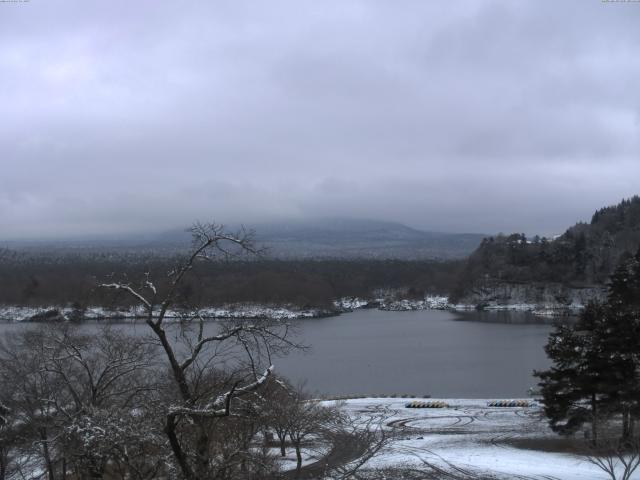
[29,279]
[586,254]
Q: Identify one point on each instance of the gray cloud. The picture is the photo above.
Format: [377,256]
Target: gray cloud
[462,116]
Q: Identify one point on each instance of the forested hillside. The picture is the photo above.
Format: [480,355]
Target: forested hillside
[37,280]
[585,255]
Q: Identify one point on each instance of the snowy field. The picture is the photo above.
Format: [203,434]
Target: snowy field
[472,437]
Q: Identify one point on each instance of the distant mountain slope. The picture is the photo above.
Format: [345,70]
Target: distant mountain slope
[340,238]
[348,239]
[585,255]
[328,238]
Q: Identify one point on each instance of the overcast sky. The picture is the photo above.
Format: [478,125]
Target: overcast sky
[475,116]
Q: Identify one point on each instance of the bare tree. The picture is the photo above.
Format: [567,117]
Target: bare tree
[617,459]
[75,399]
[190,357]
[32,393]
[183,401]
[7,440]
[282,401]
[307,418]
[365,436]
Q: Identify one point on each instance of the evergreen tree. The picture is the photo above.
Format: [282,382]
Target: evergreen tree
[596,362]
[620,340]
[624,286]
[616,341]
[573,389]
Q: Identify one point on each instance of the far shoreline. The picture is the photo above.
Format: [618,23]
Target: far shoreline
[250,311]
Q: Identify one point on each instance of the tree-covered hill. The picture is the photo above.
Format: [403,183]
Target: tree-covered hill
[586,254]
[28,279]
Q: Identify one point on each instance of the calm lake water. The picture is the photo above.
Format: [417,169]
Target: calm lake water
[429,352]
[439,353]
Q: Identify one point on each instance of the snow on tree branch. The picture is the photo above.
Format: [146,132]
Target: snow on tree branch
[221,405]
[127,288]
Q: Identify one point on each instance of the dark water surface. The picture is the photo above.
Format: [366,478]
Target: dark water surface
[443,354]
[439,353]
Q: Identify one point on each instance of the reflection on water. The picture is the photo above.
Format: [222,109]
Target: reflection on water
[512,316]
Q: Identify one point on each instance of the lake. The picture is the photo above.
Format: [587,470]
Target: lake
[426,352]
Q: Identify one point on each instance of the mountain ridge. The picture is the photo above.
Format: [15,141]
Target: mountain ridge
[324,238]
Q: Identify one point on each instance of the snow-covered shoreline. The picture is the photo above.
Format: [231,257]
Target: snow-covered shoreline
[52,313]
[437,302]
[57,313]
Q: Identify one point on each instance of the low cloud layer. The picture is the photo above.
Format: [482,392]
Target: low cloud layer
[478,116]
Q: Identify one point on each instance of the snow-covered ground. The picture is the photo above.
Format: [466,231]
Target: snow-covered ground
[471,436]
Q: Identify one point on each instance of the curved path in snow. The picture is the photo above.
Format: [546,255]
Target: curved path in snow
[472,440]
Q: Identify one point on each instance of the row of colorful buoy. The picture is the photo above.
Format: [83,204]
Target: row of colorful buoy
[418,404]
[510,403]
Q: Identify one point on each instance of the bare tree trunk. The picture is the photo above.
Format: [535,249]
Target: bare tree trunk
[625,423]
[202,447]
[283,445]
[178,373]
[296,444]
[181,458]
[265,443]
[4,460]
[245,447]
[628,423]
[96,471]
[594,420]
[46,454]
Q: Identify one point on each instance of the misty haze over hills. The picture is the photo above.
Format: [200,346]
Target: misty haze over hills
[341,238]
[337,238]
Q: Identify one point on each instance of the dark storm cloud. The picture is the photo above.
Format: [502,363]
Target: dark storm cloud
[461,116]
